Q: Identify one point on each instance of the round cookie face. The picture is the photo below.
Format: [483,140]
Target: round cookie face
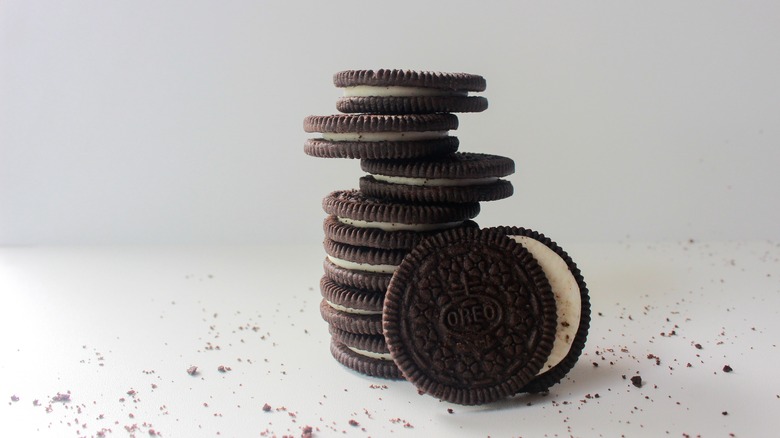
[572,302]
[469,317]
[458,177]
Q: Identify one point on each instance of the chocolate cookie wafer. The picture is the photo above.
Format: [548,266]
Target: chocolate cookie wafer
[351,309]
[355,208]
[458,177]
[408,92]
[368,365]
[381,136]
[469,316]
[363,258]
[376,237]
[572,302]
[368,354]
[373,281]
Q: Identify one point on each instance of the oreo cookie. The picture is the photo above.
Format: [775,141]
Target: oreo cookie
[355,208]
[362,258]
[469,316]
[408,92]
[376,237]
[454,178]
[367,354]
[359,361]
[381,136]
[372,281]
[351,309]
[572,303]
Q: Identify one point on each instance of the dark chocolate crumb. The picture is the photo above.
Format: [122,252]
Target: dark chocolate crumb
[450,411]
[698,346]
[727,369]
[637,381]
[266,408]
[354,423]
[725,412]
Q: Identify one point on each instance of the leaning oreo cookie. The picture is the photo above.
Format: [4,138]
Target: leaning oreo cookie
[351,309]
[381,136]
[376,237]
[366,354]
[572,302]
[458,177]
[355,208]
[408,92]
[469,316]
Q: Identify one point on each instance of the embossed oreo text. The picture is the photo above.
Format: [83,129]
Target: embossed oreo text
[472,314]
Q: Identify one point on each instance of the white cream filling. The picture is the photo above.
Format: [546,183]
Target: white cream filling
[351,310]
[398,91]
[346,264]
[567,297]
[438,182]
[397,226]
[384,136]
[371,354]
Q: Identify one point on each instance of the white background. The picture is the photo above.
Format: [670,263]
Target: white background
[181,121]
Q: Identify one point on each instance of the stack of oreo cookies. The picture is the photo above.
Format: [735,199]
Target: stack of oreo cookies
[412,287]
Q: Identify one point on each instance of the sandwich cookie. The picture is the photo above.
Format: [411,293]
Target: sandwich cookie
[371,281]
[359,266]
[408,92]
[351,309]
[469,316]
[381,136]
[377,237]
[572,303]
[366,354]
[355,208]
[363,258]
[454,178]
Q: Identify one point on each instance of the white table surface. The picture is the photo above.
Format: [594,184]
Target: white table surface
[116,328]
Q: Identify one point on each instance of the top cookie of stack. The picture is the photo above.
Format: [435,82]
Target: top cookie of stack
[402,114]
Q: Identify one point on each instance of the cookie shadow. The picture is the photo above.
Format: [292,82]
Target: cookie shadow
[583,381]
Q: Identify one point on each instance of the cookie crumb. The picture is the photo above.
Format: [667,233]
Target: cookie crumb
[354,423]
[727,369]
[193,370]
[266,408]
[637,381]
[61,397]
